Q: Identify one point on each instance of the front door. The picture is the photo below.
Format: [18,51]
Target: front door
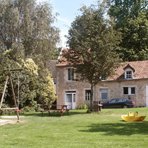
[147,95]
[70,99]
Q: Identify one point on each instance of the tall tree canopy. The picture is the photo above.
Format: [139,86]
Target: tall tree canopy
[29,24]
[131,17]
[92,41]
[27,41]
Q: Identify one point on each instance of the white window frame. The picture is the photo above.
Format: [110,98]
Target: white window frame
[87,96]
[128,74]
[129,90]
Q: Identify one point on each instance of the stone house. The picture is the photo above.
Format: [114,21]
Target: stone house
[130,80]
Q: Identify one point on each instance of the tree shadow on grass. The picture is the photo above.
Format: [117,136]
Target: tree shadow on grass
[123,128]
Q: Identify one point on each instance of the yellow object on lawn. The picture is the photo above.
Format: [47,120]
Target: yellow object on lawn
[132,116]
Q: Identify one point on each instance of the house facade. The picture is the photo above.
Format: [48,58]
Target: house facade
[130,80]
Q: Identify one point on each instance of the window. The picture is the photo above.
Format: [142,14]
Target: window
[113,101]
[132,90]
[128,74]
[68,98]
[125,90]
[70,74]
[129,90]
[104,93]
[71,97]
[87,95]
[128,71]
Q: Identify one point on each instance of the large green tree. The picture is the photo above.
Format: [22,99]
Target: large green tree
[131,17]
[92,41]
[27,32]
[30,24]
[35,84]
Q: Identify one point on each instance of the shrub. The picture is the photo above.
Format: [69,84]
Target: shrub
[82,106]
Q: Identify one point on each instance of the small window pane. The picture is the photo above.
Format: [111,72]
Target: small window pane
[70,74]
[74,97]
[132,90]
[68,98]
[87,95]
[104,93]
[128,74]
[112,101]
[125,90]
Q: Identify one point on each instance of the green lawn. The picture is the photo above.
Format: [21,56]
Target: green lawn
[77,130]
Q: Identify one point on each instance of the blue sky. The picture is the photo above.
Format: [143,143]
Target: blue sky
[67,10]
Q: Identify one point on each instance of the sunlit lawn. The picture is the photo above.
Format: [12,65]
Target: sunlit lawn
[77,130]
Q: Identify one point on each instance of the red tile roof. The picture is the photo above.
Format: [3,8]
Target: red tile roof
[61,59]
[140,70]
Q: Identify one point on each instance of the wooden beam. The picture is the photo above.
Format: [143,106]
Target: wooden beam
[10,108]
[14,98]
[7,78]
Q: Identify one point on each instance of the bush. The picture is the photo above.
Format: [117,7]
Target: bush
[82,106]
[28,109]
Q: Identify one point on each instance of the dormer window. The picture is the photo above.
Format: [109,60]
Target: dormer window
[128,72]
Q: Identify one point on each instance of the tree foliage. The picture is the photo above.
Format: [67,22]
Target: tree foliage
[30,24]
[92,42]
[35,85]
[131,18]
[27,41]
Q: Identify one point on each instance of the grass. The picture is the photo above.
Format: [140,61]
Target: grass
[77,130]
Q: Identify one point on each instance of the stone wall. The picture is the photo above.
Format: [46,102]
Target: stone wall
[115,89]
